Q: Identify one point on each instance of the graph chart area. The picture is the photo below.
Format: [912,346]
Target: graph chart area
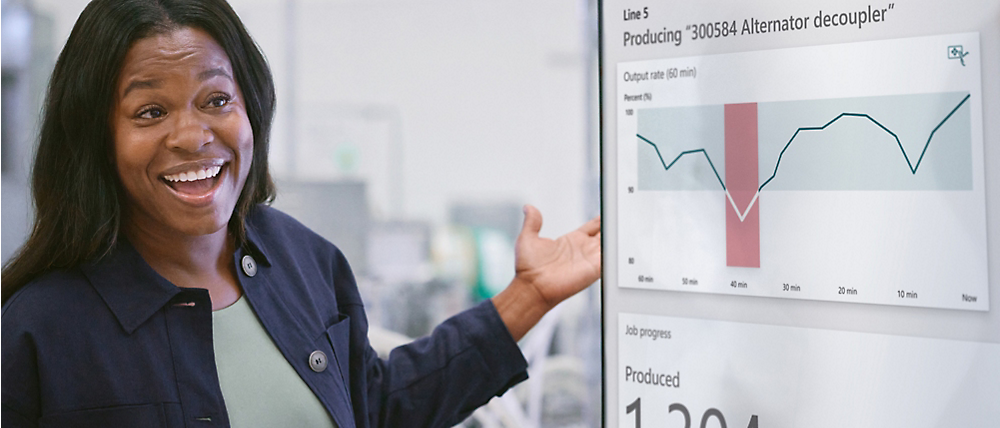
[807,173]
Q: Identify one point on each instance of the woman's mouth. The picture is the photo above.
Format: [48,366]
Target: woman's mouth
[195,182]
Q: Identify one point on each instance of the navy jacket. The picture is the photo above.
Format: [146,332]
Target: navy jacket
[115,344]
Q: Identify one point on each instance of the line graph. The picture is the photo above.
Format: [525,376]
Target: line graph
[913,167]
[829,172]
[684,153]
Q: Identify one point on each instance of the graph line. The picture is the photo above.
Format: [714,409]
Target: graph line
[742,215]
[687,152]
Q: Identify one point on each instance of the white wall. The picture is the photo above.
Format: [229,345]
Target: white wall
[490,96]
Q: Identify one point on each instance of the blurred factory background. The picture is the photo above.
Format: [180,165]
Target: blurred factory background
[409,134]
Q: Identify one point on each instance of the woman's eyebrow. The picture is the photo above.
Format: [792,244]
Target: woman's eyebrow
[155,83]
[144,84]
[207,74]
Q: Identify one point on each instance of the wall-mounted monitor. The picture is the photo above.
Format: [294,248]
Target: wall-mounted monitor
[801,213]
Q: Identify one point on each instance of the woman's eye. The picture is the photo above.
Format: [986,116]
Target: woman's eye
[151,113]
[218,100]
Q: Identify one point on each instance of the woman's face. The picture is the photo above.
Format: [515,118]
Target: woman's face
[183,142]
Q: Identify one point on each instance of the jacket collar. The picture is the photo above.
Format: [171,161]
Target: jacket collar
[129,286]
[134,291]
[255,239]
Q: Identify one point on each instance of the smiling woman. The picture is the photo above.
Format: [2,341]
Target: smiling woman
[76,191]
[159,289]
[183,150]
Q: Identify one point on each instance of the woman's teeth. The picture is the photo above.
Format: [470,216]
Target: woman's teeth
[200,174]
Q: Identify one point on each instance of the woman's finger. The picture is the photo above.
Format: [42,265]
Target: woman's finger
[591,227]
[532,221]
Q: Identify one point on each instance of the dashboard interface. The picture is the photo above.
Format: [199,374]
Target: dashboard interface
[801,213]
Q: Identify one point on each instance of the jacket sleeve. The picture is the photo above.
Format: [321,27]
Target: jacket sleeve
[435,381]
[20,395]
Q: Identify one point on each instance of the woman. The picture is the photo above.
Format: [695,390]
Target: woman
[149,184]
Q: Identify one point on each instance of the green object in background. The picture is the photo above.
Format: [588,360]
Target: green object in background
[495,262]
[346,156]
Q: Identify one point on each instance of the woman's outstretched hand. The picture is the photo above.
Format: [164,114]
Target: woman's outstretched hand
[547,271]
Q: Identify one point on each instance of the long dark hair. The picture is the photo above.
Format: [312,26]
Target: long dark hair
[75,187]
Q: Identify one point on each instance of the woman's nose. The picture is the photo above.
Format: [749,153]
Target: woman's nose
[191,133]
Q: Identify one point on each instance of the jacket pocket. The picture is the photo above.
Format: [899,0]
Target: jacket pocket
[339,335]
[144,415]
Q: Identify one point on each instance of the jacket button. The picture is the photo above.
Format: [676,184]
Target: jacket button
[317,361]
[249,266]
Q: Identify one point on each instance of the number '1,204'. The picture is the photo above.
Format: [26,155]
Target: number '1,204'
[636,408]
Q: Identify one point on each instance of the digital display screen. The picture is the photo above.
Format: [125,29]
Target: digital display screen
[801,213]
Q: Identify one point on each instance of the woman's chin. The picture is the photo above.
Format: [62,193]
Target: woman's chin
[207,229]
[214,223]
[180,228]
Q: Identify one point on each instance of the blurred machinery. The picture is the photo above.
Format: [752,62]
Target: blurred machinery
[28,56]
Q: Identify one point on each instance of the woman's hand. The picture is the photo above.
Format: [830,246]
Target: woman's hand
[548,271]
[558,269]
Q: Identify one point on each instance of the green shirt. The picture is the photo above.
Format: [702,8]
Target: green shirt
[260,388]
